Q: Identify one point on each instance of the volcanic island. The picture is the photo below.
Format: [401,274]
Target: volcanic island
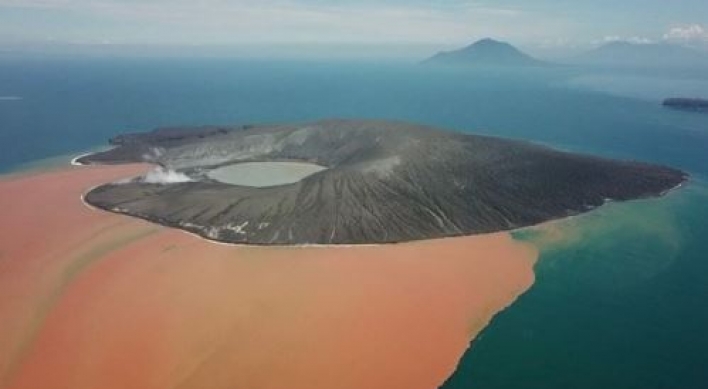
[93,299]
[358,182]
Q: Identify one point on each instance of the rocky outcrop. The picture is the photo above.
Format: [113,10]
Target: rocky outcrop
[689,104]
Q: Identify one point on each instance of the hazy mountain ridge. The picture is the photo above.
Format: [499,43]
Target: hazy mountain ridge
[651,55]
[486,52]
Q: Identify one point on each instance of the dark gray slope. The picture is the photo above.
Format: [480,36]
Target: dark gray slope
[486,52]
[386,182]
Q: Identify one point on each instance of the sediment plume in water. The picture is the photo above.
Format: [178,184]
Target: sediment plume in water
[90,299]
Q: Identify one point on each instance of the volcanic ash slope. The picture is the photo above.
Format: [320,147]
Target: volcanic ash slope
[384,182]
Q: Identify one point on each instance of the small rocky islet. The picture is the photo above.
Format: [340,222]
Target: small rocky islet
[380,182]
[686,104]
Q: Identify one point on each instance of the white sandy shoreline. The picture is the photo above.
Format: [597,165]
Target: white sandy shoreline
[75,160]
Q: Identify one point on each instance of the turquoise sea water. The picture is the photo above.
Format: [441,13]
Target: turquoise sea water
[619,302]
[621,293]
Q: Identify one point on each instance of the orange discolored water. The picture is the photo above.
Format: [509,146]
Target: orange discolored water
[90,299]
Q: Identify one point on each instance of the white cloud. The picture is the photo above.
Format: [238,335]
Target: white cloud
[607,39]
[693,32]
[639,40]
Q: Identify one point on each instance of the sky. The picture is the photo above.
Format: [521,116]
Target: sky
[560,25]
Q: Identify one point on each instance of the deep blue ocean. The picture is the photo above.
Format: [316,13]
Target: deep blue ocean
[620,302]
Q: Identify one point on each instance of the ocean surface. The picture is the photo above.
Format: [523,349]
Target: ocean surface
[621,293]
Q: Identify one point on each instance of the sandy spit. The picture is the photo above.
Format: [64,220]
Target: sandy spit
[90,299]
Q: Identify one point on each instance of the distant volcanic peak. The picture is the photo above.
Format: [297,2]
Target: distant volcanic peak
[486,52]
[385,182]
[492,45]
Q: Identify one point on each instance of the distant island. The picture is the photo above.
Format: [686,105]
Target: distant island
[486,52]
[689,104]
[358,181]
[645,55]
